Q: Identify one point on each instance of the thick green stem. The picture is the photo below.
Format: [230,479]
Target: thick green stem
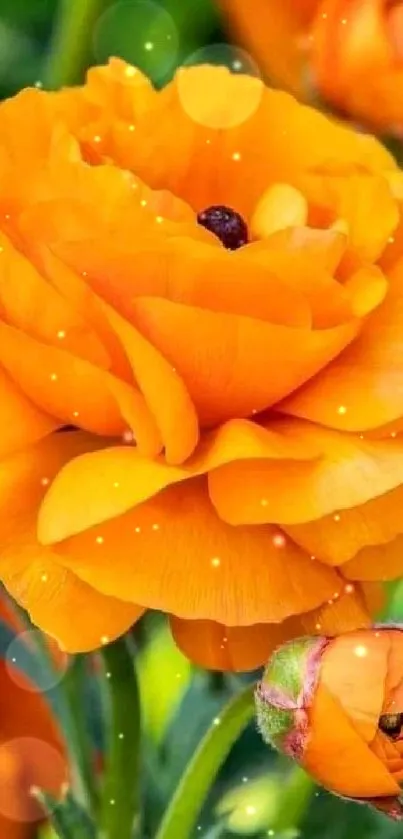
[70,48]
[294,800]
[182,813]
[120,815]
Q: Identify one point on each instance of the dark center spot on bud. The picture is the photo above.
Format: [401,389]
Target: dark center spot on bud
[226,224]
[391,724]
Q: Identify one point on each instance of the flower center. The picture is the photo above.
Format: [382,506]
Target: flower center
[391,724]
[226,224]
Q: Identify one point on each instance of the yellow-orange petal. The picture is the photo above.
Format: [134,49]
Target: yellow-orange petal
[186,561]
[338,757]
[216,647]
[101,485]
[350,472]
[30,303]
[377,562]
[236,365]
[377,522]
[21,423]
[353,669]
[365,379]
[163,389]
[75,391]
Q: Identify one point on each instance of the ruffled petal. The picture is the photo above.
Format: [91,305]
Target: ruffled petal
[377,562]
[101,485]
[21,423]
[185,561]
[350,472]
[235,365]
[366,378]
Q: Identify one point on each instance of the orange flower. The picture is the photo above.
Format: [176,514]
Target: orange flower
[351,51]
[31,749]
[261,384]
[336,706]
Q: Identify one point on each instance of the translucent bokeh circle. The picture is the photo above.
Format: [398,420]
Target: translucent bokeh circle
[142,33]
[214,105]
[26,669]
[26,763]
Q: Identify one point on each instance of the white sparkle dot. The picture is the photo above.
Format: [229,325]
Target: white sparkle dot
[130,71]
[143,202]
[1,249]
[159,219]
[344,20]
[216,721]
[44,578]
[336,517]
[75,414]
[391,240]
[121,736]
[148,46]
[263,502]
[361,651]
[7,216]
[137,529]
[324,15]
[279,540]
[208,142]
[155,527]
[245,779]
[318,626]
[112,801]
[53,377]
[377,634]
[128,436]
[270,832]
[61,334]
[330,602]
[108,675]
[45,481]
[38,84]
[105,639]
[313,557]
[361,436]
[99,540]
[116,484]
[237,64]
[84,273]
[393,433]
[236,156]
[132,127]
[342,410]
[216,561]
[349,588]
[97,138]
[250,810]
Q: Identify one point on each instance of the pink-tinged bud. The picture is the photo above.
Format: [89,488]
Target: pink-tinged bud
[336,706]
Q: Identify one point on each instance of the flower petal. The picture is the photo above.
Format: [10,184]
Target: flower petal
[337,540]
[187,562]
[100,485]
[350,472]
[75,391]
[377,562]
[236,365]
[335,752]
[21,423]
[366,378]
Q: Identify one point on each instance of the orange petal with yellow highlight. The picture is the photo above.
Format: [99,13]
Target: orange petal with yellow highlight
[196,565]
[350,472]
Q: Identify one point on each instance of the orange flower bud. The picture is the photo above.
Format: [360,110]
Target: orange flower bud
[336,706]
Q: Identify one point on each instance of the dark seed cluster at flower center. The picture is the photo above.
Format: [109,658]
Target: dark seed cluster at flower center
[391,724]
[226,224]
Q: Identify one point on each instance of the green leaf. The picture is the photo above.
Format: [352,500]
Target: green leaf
[69,820]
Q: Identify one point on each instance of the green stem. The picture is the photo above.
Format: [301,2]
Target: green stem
[182,813]
[120,814]
[294,800]
[70,48]
[74,683]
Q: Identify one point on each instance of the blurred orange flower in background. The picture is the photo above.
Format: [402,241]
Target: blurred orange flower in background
[260,383]
[350,52]
[341,716]
[31,750]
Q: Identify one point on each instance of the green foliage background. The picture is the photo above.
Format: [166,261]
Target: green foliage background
[178,701]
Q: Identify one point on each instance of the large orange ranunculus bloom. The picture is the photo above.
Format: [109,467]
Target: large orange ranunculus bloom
[32,752]
[336,706]
[261,385]
[349,51]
